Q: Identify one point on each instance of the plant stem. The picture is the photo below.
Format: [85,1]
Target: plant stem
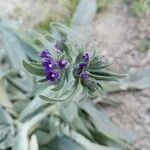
[26,129]
[34,105]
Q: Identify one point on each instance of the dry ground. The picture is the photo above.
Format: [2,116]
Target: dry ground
[119,36]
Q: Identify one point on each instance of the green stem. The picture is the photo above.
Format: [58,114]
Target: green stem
[26,129]
[34,105]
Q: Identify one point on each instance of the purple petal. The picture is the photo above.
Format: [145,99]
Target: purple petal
[48,65]
[45,54]
[84,76]
[82,65]
[52,76]
[80,68]
[85,57]
[78,71]
[62,63]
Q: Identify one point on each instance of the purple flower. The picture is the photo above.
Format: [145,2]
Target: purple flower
[84,75]
[62,63]
[45,54]
[51,67]
[85,57]
[48,65]
[52,76]
[78,71]
[82,66]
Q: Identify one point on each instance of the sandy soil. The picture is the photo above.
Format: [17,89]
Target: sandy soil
[118,36]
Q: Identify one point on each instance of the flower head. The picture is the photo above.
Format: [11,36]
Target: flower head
[48,65]
[52,68]
[45,54]
[80,71]
[62,63]
[52,76]
[84,75]
[82,65]
[85,57]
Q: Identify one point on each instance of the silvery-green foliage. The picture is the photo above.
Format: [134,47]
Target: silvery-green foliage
[71,89]
[7,130]
[72,50]
[47,125]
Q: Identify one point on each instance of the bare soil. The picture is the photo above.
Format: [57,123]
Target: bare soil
[119,36]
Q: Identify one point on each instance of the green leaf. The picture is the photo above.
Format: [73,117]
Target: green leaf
[65,49]
[36,101]
[55,100]
[12,46]
[52,100]
[83,97]
[136,79]
[98,63]
[104,125]
[104,140]
[108,100]
[72,39]
[94,60]
[74,89]
[30,48]
[90,85]
[24,86]
[7,130]
[4,98]
[106,73]
[42,80]
[103,78]
[79,138]
[44,41]
[100,86]
[63,143]
[32,69]
[60,84]
[71,116]
[78,58]
[35,64]
[8,72]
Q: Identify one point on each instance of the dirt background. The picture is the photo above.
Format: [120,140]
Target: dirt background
[119,37]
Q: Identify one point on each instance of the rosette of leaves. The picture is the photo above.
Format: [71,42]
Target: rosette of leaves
[68,69]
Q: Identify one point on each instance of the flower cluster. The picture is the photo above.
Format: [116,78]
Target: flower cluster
[80,71]
[52,68]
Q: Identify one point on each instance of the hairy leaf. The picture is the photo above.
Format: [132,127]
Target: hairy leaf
[32,69]
[103,78]
[103,124]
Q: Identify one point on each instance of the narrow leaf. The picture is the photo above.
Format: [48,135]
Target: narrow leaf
[103,78]
[32,69]
[106,73]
